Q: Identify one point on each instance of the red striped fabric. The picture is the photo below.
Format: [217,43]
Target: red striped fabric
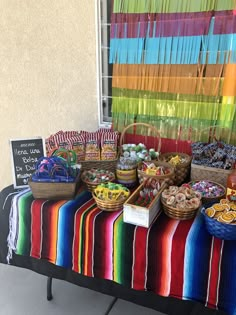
[214,272]
[140,261]
[177,254]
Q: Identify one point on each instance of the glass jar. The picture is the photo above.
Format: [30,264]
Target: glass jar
[126,171]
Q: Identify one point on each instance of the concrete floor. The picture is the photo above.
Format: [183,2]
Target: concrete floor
[23,292]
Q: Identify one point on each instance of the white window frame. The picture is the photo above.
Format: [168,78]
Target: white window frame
[102,57]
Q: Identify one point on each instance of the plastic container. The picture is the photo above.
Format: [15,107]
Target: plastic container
[126,172]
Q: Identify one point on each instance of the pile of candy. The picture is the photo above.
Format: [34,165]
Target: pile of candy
[126,163]
[208,189]
[149,191]
[111,192]
[153,169]
[216,154]
[181,197]
[176,159]
[97,176]
[224,212]
[139,152]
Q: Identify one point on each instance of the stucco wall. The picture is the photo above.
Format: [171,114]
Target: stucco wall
[47,70]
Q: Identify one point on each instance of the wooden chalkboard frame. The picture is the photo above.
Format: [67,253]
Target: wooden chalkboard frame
[33,155]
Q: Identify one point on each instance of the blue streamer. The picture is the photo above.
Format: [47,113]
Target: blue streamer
[168,50]
[173,59]
[212,49]
[162,50]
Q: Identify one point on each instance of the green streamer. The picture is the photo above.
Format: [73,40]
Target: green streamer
[171,6]
[116,92]
[185,109]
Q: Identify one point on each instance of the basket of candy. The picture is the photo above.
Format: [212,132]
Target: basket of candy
[94,177]
[181,203]
[110,196]
[140,141]
[220,219]
[156,170]
[213,159]
[211,191]
[181,162]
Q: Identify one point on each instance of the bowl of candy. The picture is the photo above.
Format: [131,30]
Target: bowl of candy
[220,219]
[210,190]
[110,196]
[94,177]
[181,203]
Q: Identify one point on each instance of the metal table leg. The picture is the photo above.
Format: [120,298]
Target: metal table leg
[49,289]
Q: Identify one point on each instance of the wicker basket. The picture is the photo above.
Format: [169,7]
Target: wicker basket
[182,170]
[218,175]
[109,205]
[91,186]
[168,179]
[109,165]
[219,229]
[208,135]
[179,214]
[54,191]
[141,132]
[212,199]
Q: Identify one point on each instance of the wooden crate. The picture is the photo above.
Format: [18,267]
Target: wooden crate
[218,175]
[138,215]
[54,191]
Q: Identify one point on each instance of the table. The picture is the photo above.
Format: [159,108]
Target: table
[174,261]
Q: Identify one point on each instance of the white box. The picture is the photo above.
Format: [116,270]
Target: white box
[138,215]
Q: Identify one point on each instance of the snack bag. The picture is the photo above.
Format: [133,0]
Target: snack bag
[77,144]
[92,147]
[72,133]
[109,146]
[52,142]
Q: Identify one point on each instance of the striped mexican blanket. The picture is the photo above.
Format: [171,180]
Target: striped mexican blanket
[171,258]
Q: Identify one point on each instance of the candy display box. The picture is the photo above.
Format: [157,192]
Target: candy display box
[139,215]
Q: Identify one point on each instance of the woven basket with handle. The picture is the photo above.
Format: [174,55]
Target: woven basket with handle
[141,132]
[182,170]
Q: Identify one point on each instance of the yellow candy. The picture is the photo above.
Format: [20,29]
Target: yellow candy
[210,212]
[226,217]
[107,194]
[150,171]
[175,160]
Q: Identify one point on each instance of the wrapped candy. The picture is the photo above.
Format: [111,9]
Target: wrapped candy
[217,154]
[111,191]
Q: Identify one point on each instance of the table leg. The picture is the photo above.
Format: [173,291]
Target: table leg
[49,289]
[111,305]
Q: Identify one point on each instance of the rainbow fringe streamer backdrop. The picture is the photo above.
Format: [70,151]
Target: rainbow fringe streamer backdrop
[174,65]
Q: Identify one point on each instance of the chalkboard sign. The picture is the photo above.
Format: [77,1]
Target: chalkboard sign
[25,153]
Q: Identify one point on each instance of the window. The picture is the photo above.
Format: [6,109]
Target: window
[104,68]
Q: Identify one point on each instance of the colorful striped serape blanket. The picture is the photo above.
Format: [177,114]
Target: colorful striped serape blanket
[171,258]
